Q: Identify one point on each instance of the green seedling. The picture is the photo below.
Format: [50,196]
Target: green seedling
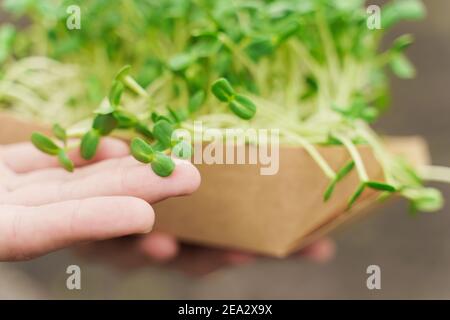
[241,106]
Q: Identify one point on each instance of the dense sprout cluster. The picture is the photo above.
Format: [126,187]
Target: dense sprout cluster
[311,68]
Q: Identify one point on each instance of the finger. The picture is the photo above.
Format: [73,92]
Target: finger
[6,175]
[122,253]
[199,261]
[4,170]
[239,258]
[24,157]
[159,246]
[320,251]
[137,180]
[27,232]
[59,174]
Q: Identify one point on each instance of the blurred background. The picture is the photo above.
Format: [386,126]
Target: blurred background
[413,252]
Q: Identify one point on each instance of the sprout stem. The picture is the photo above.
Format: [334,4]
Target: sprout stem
[362,173]
[435,173]
[328,171]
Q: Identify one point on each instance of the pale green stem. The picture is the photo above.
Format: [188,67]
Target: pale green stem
[382,155]
[362,173]
[134,86]
[328,44]
[435,173]
[250,65]
[314,153]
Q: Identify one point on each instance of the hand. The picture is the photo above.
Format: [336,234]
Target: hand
[43,208]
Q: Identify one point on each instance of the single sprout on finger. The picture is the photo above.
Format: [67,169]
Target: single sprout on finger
[142,151]
[60,133]
[65,161]
[89,144]
[44,143]
[162,165]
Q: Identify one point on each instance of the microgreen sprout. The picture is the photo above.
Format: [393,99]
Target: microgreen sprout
[48,146]
[242,106]
[152,145]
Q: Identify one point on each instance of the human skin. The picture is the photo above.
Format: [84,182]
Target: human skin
[44,208]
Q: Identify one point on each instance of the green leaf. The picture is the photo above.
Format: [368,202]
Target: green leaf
[178,115]
[369,114]
[347,5]
[143,129]
[380,186]
[162,165]
[44,143]
[402,42]
[345,171]
[356,195]
[105,108]
[402,67]
[330,190]
[162,131]
[141,150]
[116,93]
[59,132]
[182,150]
[243,107]
[105,123]
[287,30]
[156,117]
[431,200]
[223,90]
[260,47]
[196,101]
[158,146]
[123,72]
[207,47]
[396,11]
[180,62]
[125,119]
[89,144]
[7,36]
[65,161]
[424,199]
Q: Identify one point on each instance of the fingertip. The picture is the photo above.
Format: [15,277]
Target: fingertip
[321,251]
[188,174]
[143,215]
[118,216]
[159,246]
[239,258]
[53,226]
